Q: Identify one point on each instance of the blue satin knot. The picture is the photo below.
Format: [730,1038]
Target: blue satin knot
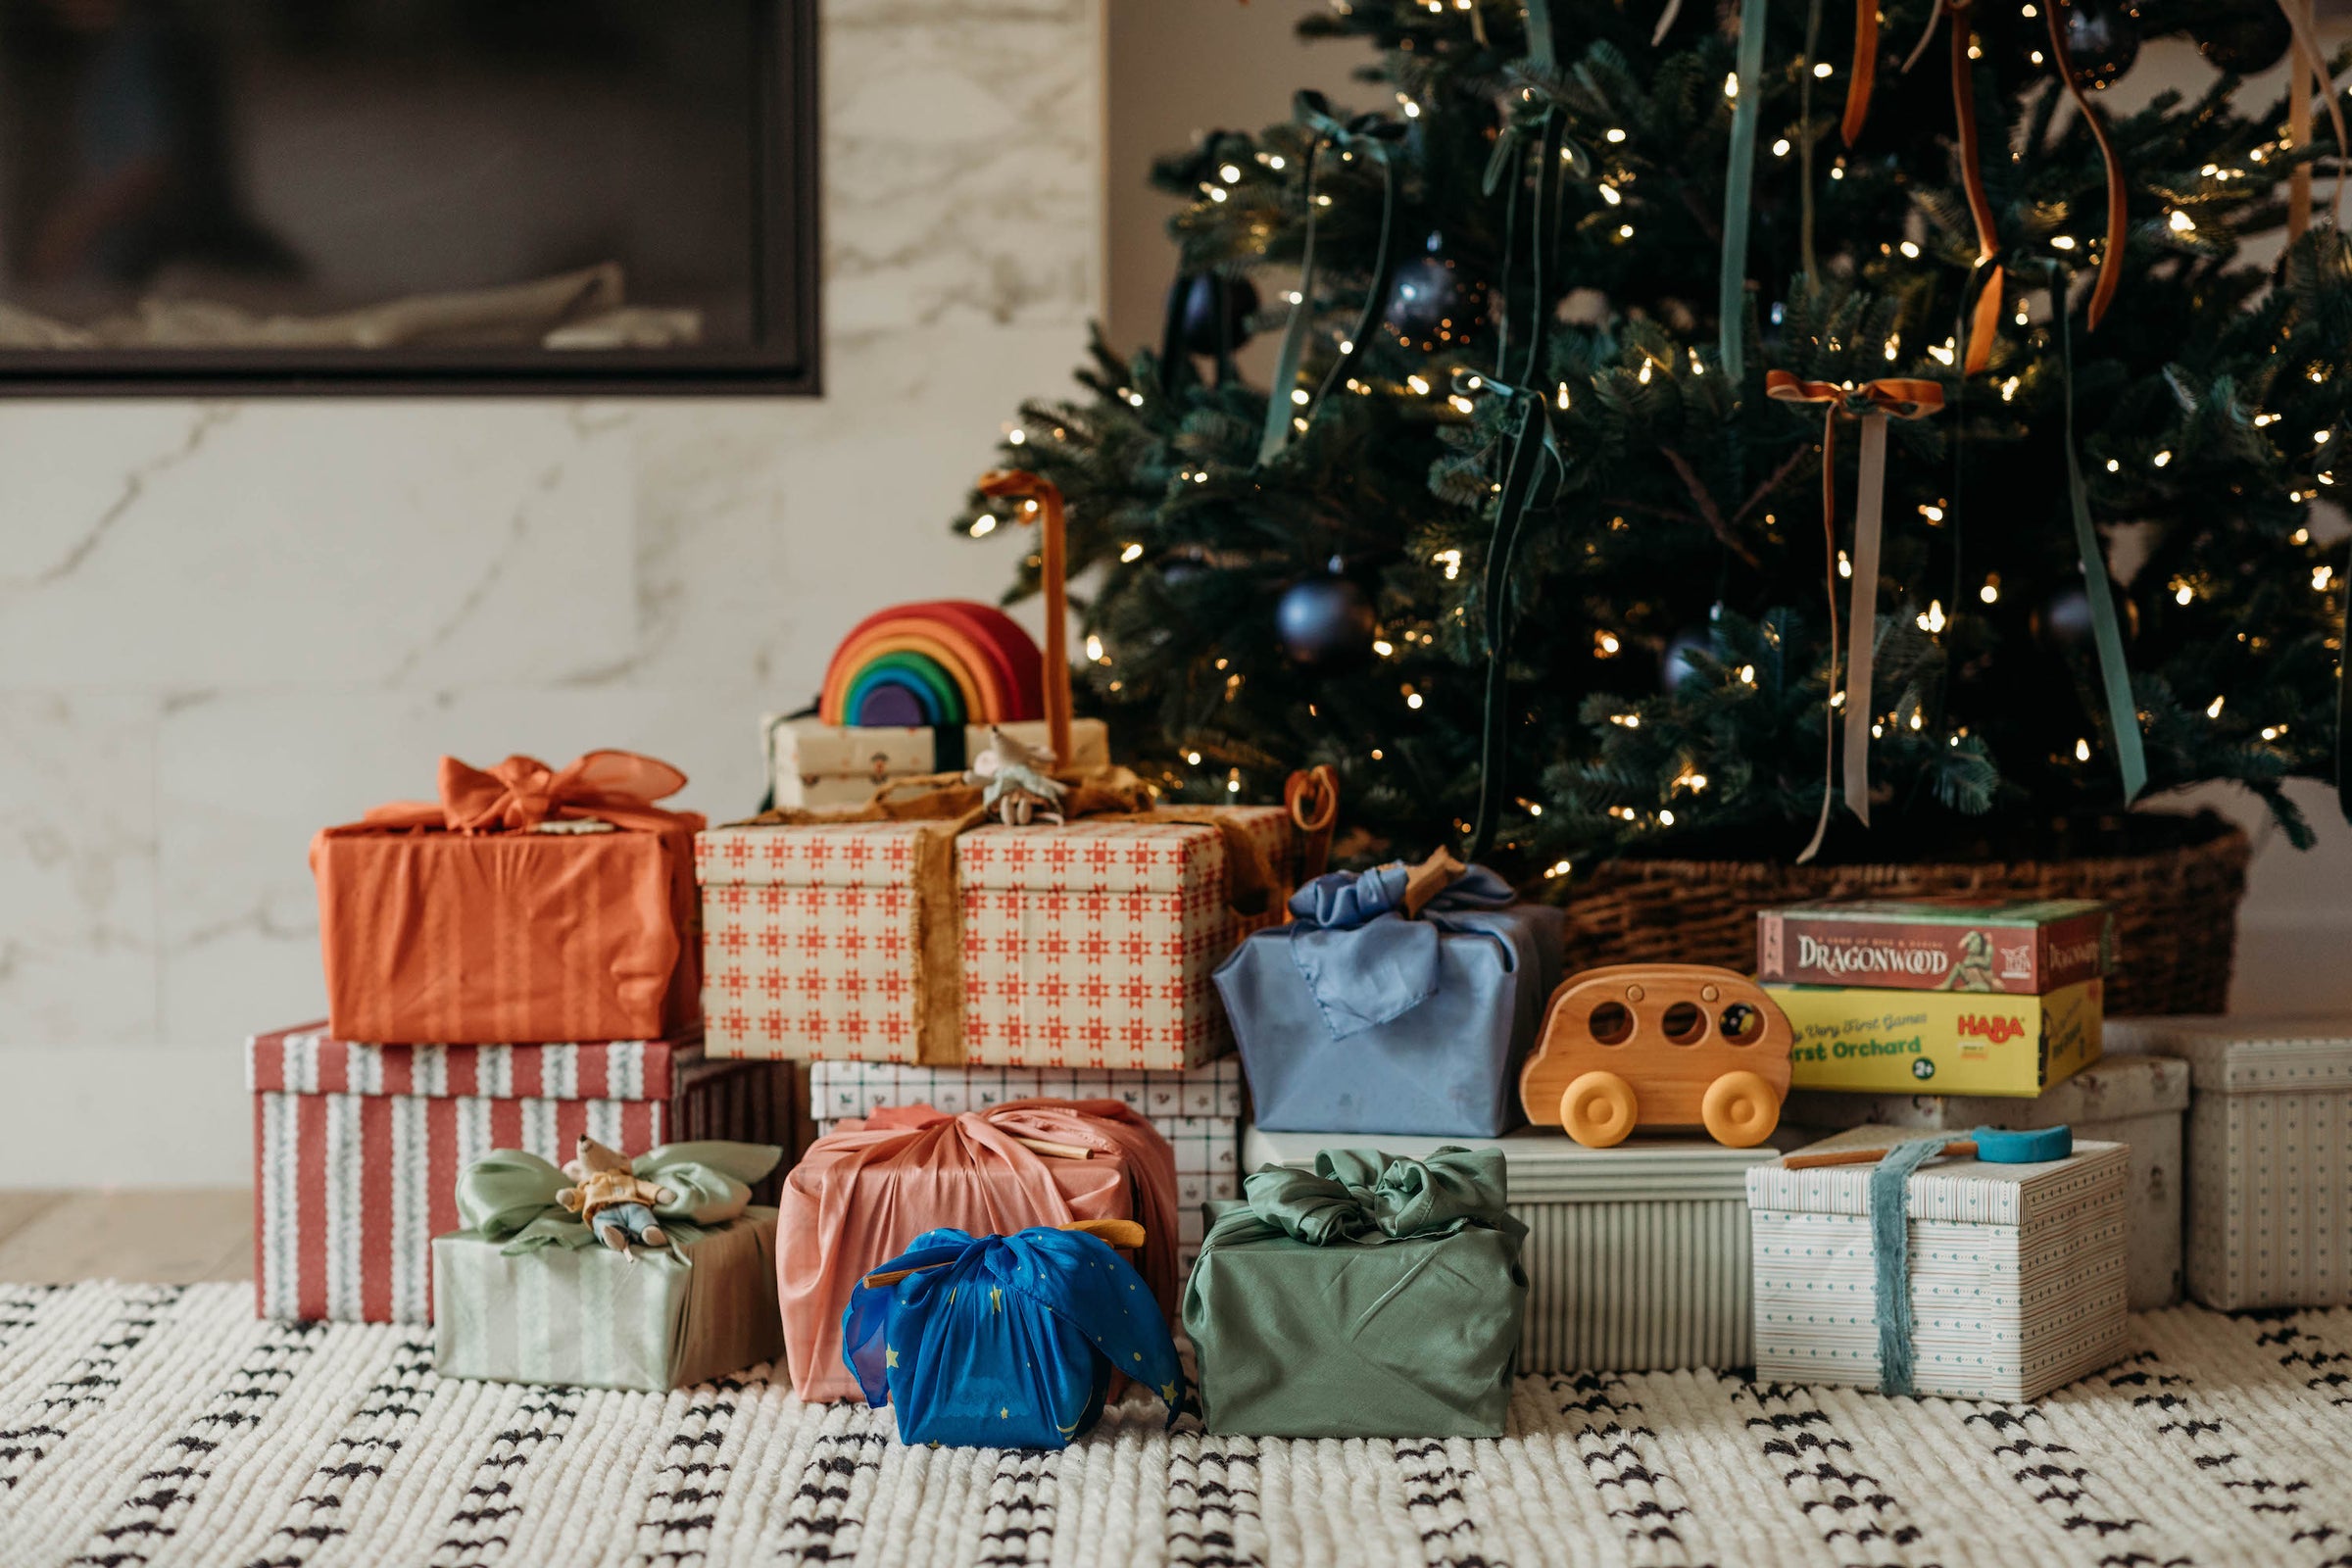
[1363,961]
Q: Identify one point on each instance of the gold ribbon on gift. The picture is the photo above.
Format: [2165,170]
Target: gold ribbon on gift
[946,808]
[1874,403]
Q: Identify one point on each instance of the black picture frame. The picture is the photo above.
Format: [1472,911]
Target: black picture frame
[785,361]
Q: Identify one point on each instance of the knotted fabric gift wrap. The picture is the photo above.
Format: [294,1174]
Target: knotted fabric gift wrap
[527,904]
[524,1293]
[1356,1018]
[863,1195]
[914,930]
[1007,1342]
[1373,1297]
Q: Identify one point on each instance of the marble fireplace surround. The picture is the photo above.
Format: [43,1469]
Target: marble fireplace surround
[226,624]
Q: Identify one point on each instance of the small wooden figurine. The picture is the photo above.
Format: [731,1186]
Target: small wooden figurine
[1659,1045]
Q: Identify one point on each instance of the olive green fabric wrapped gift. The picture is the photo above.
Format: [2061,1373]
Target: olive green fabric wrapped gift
[1369,1298]
[524,1295]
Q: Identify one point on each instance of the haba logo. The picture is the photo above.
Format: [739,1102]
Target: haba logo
[1993,1028]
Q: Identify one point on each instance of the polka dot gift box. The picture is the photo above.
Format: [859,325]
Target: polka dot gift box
[1962,1278]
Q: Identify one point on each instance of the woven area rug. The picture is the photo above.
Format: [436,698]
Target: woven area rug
[147,1423]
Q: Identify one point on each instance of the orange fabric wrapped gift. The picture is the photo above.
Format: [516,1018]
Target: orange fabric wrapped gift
[527,904]
[859,1196]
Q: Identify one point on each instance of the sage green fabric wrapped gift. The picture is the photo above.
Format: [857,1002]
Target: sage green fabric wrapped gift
[525,1295]
[1369,1298]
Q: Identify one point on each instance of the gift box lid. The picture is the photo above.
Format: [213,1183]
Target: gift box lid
[2108,1090]
[813,748]
[307,1060]
[2248,1055]
[810,855]
[806,745]
[1105,855]
[2027,914]
[1960,1190]
[1547,1166]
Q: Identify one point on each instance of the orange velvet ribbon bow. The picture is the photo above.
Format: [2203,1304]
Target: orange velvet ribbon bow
[1874,403]
[522,792]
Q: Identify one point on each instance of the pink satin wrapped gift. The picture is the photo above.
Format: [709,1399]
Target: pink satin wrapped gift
[861,1194]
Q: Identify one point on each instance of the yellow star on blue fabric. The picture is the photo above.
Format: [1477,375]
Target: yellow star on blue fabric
[1167,1392]
[890,1357]
[995,1298]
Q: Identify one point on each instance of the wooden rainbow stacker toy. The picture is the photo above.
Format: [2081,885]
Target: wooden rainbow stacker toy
[1659,1045]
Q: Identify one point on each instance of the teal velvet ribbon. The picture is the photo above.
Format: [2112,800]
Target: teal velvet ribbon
[1361,1197]
[1370,136]
[1891,1259]
[2115,676]
[1737,193]
[509,1196]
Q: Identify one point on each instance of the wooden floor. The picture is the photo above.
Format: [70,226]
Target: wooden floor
[180,1237]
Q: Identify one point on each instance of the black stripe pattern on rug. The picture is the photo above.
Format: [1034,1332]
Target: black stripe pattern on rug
[1213,1508]
[2049,1474]
[829,1506]
[673,1529]
[144,1521]
[355,1458]
[1857,1516]
[82,1393]
[482,1528]
[20,1309]
[2168,1403]
[1617,1447]
[1436,1502]
[1018,1528]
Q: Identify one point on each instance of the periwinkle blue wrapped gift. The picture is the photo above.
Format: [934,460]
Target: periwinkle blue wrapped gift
[1356,1018]
[1006,1341]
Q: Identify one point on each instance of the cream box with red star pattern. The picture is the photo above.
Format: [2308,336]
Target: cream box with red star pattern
[1088,945]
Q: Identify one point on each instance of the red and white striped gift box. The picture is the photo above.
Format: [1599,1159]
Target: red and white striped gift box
[357,1148]
[1085,945]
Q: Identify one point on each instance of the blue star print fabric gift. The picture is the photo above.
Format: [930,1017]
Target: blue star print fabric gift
[1006,1341]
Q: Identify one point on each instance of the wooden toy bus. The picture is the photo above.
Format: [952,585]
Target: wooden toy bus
[1659,1045]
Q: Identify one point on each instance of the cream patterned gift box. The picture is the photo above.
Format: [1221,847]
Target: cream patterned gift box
[2270,1157]
[2129,1099]
[2014,1274]
[1089,945]
[825,766]
[1197,1110]
[1637,1256]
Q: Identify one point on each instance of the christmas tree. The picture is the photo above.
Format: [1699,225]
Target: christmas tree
[1530,538]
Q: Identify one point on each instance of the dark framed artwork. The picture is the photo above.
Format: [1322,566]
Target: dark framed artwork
[224,197]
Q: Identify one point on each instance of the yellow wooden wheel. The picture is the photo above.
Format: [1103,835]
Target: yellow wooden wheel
[1598,1110]
[1741,1109]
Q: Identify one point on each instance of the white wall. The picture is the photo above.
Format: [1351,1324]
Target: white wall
[225,624]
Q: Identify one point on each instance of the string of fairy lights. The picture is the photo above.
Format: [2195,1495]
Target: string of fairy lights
[1450,397]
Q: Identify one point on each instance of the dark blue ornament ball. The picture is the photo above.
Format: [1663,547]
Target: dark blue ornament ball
[1325,623]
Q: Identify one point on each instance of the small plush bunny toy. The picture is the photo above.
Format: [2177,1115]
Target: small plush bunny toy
[611,1199]
[1020,788]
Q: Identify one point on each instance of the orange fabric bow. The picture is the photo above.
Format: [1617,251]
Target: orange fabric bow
[1874,403]
[522,792]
